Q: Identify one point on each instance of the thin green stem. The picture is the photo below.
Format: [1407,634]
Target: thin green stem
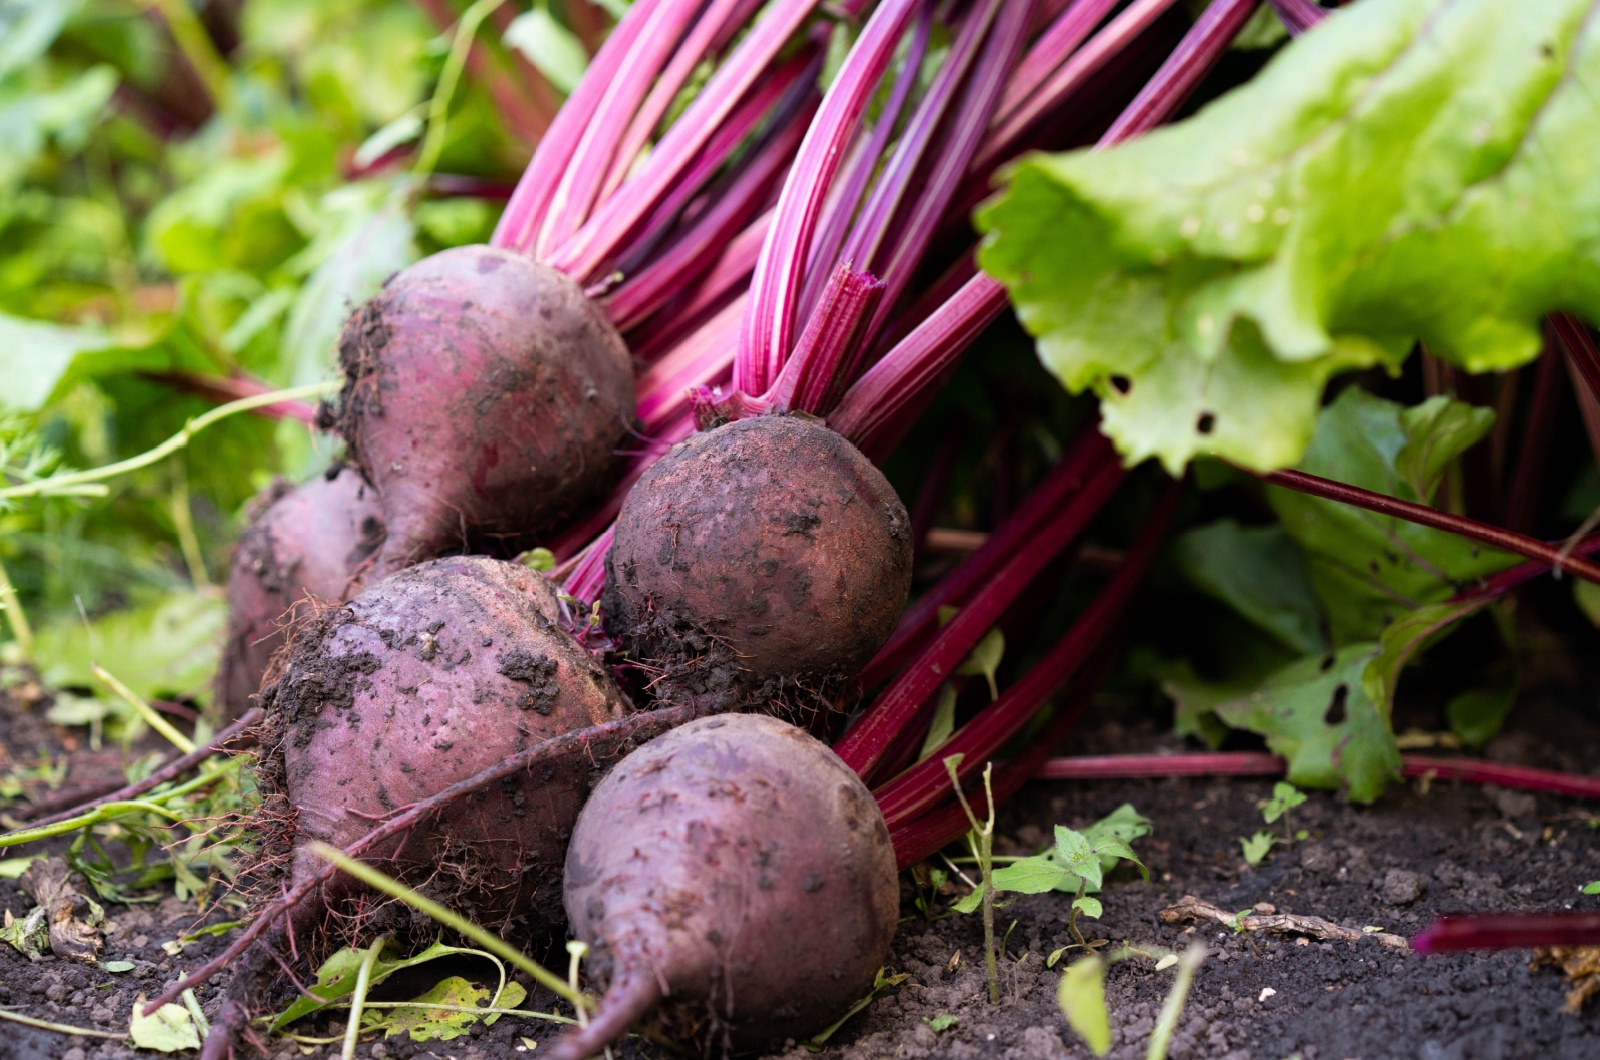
[101,814]
[59,1028]
[358,998]
[386,884]
[16,616]
[449,77]
[183,523]
[1172,1009]
[59,485]
[196,46]
[1072,915]
[150,715]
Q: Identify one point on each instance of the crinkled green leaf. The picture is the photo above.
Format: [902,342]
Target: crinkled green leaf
[1261,574]
[1369,569]
[1082,997]
[1316,713]
[1195,700]
[29,935]
[1412,169]
[1074,852]
[1124,824]
[336,978]
[165,648]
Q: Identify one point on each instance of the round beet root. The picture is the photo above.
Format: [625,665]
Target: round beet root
[425,679]
[308,543]
[484,397]
[772,536]
[735,875]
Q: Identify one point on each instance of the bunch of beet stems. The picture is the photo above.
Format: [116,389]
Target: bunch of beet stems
[839,257]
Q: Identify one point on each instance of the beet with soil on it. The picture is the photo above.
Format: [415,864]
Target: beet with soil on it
[425,679]
[771,538]
[736,885]
[305,545]
[485,396]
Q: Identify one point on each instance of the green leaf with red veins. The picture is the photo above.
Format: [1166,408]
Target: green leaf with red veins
[1409,169]
[1316,713]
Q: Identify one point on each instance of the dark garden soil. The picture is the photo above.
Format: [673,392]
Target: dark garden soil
[1423,849]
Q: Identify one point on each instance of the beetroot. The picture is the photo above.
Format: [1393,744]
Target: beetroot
[484,397]
[770,537]
[305,544]
[735,875]
[422,680]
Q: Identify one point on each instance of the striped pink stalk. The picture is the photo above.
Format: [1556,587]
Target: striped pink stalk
[776,286]
[1181,74]
[618,217]
[926,784]
[1298,15]
[1052,48]
[525,214]
[581,181]
[811,377]
[864,747]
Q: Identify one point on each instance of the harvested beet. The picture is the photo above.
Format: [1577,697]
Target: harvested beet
[736,877]
[422,680]
[305,544]
[484,397]
[770,537]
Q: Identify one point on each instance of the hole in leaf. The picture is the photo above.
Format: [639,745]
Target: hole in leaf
[1121,384]
[1206,422]
[1327,663]
[1335,714]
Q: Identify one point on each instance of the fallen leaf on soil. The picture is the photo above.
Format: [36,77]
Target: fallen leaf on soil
[1581,965]
[1191,908]
[74,920]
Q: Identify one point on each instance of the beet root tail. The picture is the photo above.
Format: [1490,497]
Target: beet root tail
[630,996]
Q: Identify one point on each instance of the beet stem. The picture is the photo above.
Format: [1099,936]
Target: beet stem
[1551,556]
[637,727]
[1298,16]
[1181,74]
[1508,931]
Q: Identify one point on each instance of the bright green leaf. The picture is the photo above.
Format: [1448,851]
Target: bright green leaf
[985,660]
[943,722]
[1414,169]
[1034,875]
[165,648]
[118,966]
[941,1022]
[1089,907]
[1285,797]
[1317,715]
[969,902]
[1082,997]
[1256,847]
[12,868]
[1076,854]
[1592,887]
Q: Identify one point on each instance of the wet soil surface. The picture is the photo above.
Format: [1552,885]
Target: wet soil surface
[1423,849]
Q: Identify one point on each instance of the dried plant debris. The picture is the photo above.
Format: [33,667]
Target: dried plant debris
[1267,920]
[64,920]
[1580,964]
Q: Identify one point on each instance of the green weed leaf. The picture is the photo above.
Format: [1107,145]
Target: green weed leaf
[1082,997]
[169,1029]
[1256,847]
[1034,875]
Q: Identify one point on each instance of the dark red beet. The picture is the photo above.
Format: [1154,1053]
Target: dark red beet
[735,876]
[484,397]
[425,679]
[305,545]
[772,537]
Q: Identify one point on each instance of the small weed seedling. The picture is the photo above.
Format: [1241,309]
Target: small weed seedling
[1592,887]
[1285,797]
[981,840]
[1077,863]
[1081,996]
